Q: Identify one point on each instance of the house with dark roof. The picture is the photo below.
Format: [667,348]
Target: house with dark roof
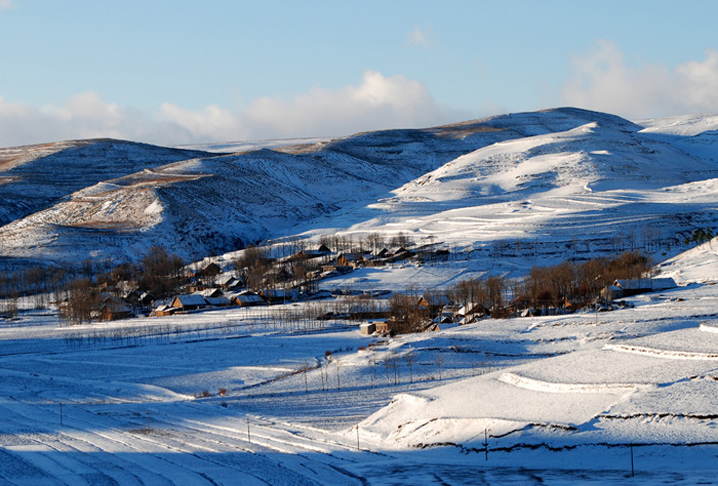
[189,302]
[434,303]
[114,309]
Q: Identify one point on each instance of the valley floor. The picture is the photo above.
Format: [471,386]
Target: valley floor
[235,397]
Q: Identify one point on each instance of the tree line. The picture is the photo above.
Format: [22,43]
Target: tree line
[568,283]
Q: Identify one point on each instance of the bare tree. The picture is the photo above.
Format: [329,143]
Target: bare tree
[84,301]
[406,315]
[160,271]
[375,241]
[409,358]
[440,360]
[496,287]
[391,368]
[255,266]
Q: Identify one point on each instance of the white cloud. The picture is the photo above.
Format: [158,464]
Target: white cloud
[418,37]
[377,102]
[82,116]
[603,81]
[209,124]
[6,4]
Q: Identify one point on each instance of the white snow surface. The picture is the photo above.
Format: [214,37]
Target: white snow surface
[513,190]
[254,396]
[245,395]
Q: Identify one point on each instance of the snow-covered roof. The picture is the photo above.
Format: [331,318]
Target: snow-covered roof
[217,301]
[436,300]
[225,279]
[117,306]
[646,283]
[163,307]
[209,293]
[469,308]
[190,300]
[246,298]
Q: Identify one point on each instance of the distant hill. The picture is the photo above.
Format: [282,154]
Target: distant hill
[555,183]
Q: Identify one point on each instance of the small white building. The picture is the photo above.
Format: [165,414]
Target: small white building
[367,328]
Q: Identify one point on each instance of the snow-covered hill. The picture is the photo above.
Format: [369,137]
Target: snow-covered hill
[593,188]
[272,395]
[35,177]
[552,184]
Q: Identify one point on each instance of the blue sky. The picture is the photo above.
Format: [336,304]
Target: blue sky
[185,71]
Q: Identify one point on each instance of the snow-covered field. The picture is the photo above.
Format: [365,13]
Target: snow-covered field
[258,397]
[266,396]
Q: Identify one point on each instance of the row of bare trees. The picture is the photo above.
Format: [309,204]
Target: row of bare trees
[568,282]
[371,242]
[579,283]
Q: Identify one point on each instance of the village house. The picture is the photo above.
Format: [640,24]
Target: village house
[626,287]
[114,309]
[210,293]
[189,302]
[367,328]
[383,253]
[351,260]
[211,270]
[400,253]
[246,298]
[471,312]
[382,327]
[319,252]
[217,301]
[443,326]
[163,310]
[377,258]
[279,296]
[323,249]
[145,301]
[434,303]
[228,282]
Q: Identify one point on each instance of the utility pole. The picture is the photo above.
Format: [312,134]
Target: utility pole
[249,438]
[358,449]
[486,444]
[148,421]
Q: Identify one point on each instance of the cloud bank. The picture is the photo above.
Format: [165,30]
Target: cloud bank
[601,80]
[375,103]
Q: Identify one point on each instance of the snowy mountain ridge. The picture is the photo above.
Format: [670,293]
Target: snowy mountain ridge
[566,181]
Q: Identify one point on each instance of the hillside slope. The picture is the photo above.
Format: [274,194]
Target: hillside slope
[596,179]
[553,183]
[35,177]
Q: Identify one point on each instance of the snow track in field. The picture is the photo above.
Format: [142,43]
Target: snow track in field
[545,386]
[661,353]
[188,452]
